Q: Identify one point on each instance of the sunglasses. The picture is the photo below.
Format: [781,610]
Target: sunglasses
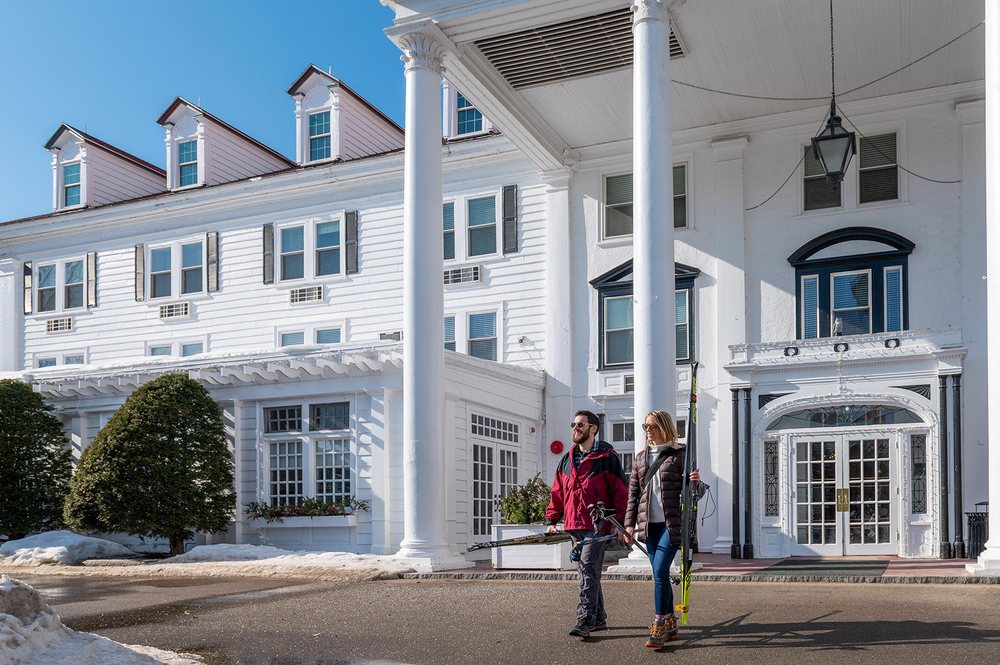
[647,427]
[579,425]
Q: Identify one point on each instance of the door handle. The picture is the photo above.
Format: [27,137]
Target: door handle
[843,500]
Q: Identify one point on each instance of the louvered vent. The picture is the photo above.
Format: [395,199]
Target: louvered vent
[175,310]
[462,275]
[305,294]
[395,336]
[581,47]
[59,325]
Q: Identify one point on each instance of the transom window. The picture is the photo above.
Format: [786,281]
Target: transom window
[71,184]
[177,269]
[319,136]
[307,465]
[618,202]
[65,358]
[469,118]
[187,163]
[851,295]
[60,286]
[182,349]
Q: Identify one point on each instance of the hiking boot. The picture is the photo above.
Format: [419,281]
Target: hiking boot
[670,624]
[581,629]
[657,635]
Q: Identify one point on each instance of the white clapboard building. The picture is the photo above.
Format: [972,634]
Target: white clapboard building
[414,322]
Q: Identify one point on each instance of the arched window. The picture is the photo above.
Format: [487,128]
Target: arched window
[849,415]
[851,281]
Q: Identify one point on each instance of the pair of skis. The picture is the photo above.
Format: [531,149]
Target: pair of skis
[546,539]
[689,502]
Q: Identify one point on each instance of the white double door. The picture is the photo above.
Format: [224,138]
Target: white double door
[845,499]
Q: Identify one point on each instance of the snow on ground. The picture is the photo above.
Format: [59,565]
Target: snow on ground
[32,634]
[201,561]
[63,547]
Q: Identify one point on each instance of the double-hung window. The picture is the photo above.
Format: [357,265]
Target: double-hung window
[817,192]
[482,223]
[615,315]
[311,250]
[470,120]
[618,202]
[187,163]
[851,295]
[878,175]
[60,286]
[449,333]
[71,184]
[448,217]
[177,269]
[309,453]
[483,335]
[319,136]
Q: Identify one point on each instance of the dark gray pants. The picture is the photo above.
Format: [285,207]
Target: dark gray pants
[590,609]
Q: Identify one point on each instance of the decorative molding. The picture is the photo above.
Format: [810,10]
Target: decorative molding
[729,148]
[971,111]
[650,10]
[421,51]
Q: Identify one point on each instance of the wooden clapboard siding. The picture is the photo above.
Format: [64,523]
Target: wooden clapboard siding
[111,179]
[229,156]
[363,132]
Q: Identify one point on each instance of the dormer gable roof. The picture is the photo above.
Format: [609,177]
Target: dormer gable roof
[180,101]
[118,152]
[313,70]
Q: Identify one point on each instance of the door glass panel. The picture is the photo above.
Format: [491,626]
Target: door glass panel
[869,514]
[816,482]
[482,490]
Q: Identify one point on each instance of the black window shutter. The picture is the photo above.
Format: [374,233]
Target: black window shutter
[509,219]
[91,279]
[351,233]
[268,257]
[140,273]
[27,287]
[212,256]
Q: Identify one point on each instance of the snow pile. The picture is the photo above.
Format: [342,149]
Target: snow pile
[229,553]
[32,634]
[63,547]
[270,561]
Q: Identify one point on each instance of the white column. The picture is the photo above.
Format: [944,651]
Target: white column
[11,315]
[301,155]
[654,335]
[424,502]
[558,317]
[653,214]
[729,319]
[989,560]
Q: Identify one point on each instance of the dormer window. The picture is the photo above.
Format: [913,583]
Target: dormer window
[319,136]
[187,163]
[71,185]
[470,120]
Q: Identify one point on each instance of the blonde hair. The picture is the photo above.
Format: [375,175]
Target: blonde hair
[665,423]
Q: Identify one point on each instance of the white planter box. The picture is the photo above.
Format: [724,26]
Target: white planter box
[300,522]
[529,557]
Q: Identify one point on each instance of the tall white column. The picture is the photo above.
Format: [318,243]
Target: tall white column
[11,315]
[424,501]
[558,315]
[654,350]
[989,560]
[653,214]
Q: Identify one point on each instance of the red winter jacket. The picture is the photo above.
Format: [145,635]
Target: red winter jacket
[598,478]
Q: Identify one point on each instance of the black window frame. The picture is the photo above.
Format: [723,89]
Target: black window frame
[618,282]
[875,262]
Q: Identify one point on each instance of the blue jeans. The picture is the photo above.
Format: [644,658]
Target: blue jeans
[661,555]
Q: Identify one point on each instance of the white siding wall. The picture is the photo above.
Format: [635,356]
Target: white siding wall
[364,132]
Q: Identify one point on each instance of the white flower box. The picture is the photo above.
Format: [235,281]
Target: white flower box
[529,557]
[304,522]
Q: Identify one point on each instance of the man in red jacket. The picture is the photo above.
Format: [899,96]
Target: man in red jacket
[590,472]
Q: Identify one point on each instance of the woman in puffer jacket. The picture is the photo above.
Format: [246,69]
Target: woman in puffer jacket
[653,515]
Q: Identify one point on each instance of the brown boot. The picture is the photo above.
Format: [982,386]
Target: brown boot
[657,635]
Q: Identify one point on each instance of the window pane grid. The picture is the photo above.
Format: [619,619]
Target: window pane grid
[187,161]
[771,478]
[333,415]
[851,299]
[334,463]
[508,472]
[869,504]
[816,492]
[286,480]
[159,276]
[482,489]
[918,473]
[283,419]
[482,226]
[494,428]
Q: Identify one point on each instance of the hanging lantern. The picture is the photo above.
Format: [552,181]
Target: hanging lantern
[833,148]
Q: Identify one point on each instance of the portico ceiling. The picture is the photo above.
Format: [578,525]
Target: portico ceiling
[767,48]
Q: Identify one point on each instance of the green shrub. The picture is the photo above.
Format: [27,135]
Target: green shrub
[526,504]
[160,468]
[35,462]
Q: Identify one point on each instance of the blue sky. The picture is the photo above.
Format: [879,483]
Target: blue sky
[110,67]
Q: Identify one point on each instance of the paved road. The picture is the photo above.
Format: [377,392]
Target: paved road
[275,622]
